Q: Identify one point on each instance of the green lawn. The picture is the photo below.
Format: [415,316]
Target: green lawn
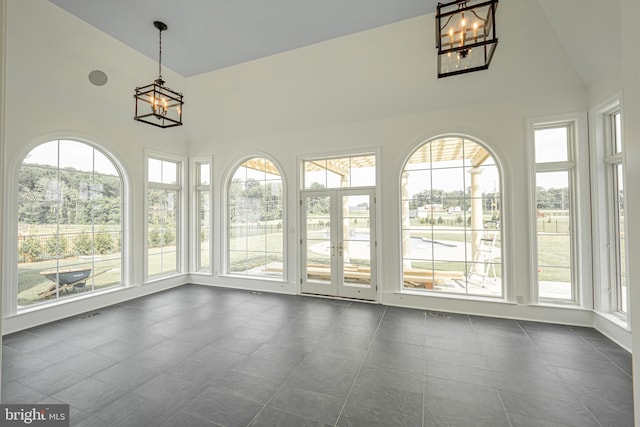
[254,251]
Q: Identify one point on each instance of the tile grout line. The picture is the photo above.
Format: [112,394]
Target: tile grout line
[344,404]
[602,353]
[287,379]
[424,366]
[493,380]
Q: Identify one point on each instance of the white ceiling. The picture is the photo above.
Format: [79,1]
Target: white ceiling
[206,35]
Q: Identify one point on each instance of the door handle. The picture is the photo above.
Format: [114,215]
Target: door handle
[333,250]
[340,248]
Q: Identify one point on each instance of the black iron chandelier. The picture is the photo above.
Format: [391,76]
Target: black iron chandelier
[156,104]
[465,36]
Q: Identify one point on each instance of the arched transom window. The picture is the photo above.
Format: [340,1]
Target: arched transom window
[255,220]
[451,211]
[69,222]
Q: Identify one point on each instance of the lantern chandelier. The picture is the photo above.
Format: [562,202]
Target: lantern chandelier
[465,36]
[156,104]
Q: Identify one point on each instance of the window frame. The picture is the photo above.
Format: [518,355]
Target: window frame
[224,206]
[10,248]
[181,234]
[605,224]
[196,191]
[614,161]
[507,291]
[580,220]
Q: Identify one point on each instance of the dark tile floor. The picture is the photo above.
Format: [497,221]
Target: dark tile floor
[202,356]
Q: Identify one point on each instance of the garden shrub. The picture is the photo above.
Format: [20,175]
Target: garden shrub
[57,245]
[83,244]
[104,243]
[30,249]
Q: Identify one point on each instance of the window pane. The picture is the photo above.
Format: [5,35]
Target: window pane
[255,228]
[162,231]
[345,172]
[43,154]
[69,223]
[169,172]
[619,240]
[554,231]
[617,134]
[76,155]
[551,145]
[363,171]
[204,174]
[204,221]
[155,170]
[450,218]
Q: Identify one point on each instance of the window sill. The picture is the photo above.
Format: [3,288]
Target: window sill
[263,278]
[480,298]
[563,305]
[616,319]
[65,300]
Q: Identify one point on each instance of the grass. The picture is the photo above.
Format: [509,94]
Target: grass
[255,251]
[107,272]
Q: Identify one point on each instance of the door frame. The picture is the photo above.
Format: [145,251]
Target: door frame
[337,287]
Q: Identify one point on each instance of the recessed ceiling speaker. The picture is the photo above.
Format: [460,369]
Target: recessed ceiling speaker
[98,78]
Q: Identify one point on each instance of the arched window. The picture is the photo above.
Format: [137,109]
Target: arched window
[451,211]
[255,220]
[69,222]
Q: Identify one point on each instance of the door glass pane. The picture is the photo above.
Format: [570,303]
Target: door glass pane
[319,248]
[355,247]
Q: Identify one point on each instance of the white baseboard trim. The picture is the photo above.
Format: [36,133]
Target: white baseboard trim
[75,306]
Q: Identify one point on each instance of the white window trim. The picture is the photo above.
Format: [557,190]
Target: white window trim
[10,231]
[508,290]
[581,203]
[604,265]
[181,229]
[194,254]
[224,215]
[300,187]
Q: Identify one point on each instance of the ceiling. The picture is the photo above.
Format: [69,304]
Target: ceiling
[206,35]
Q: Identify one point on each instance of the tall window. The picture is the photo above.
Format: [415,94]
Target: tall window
[69,222]
[555,213]
[613,160]
[163,210]
[451,211]
[202,220]
[255,220]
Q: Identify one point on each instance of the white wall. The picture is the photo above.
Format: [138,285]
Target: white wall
[378,90]
[631,127]
[49,56]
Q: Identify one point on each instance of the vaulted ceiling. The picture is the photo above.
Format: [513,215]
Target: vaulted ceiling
[206,35]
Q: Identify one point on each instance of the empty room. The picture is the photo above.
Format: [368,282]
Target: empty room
[286,213]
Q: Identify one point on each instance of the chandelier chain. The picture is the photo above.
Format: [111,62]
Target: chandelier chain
[160,57]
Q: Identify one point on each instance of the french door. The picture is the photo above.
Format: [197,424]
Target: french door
[338,245]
